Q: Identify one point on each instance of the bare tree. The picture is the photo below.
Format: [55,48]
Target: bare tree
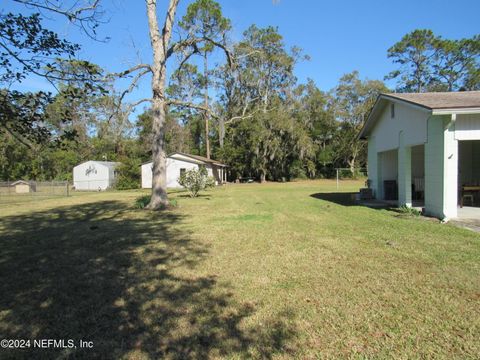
[163,50]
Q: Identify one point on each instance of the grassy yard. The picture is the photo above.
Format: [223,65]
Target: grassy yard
[248,271]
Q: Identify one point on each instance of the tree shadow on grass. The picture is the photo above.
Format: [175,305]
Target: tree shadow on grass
[199,196]
[340,198]
[122,279]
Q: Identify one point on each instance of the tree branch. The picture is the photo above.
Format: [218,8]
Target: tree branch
[191,106]
[71,15]
[134,83]
[122,74]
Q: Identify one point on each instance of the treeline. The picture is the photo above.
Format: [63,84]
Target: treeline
[247,110]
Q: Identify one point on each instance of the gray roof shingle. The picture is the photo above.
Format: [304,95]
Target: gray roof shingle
[441,100]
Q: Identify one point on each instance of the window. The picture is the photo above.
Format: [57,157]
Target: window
[182,171]
[392,110]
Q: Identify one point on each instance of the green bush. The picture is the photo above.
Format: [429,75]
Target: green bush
[128,174]
[406,210]
[196,180]
[142,201]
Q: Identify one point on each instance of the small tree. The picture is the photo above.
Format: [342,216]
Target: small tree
[196,180]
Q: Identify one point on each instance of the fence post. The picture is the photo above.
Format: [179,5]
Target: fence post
[337,179]
[68,193]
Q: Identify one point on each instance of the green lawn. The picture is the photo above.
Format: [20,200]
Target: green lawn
[247,271]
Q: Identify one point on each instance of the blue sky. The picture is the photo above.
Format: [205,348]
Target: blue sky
[339,36]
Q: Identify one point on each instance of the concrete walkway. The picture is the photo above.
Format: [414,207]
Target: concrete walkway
[468,218]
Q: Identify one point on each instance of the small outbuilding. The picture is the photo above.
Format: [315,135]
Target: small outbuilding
[22,187]
[424,148]
[94,175]
[177,163]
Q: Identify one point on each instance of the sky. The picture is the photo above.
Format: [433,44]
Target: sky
[339,36]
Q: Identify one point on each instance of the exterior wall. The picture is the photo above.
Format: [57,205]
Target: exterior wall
[93,176]
[418,161]
[173,172]
[450,170]
[384,143]
[147,174]
[441,168]
[387,170]
[467,127]
[404,172]
[372,166]
[411,122]
[22,188]
[437,161]
[469,159]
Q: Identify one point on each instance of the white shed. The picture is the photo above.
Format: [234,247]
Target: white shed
[424,148]
[94,175]
[179,162]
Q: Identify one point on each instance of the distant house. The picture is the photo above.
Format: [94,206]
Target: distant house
[94,175]
[177,163]
[22,187]
[425,148]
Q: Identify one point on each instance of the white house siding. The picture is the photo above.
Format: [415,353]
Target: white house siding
[147,175]
[450,169]
[418,161]
[93,175]
[387,162]
[434,171]
[372,165]
[173,172]
[467,127]
[469,157]
[412,123]
[404,172]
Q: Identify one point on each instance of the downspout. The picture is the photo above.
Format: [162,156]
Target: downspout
[452,121]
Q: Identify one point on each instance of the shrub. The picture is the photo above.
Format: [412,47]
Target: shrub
[406,210]
[196,180]
[128,175]
[142,201]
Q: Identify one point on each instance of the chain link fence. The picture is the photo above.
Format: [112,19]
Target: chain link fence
[94,185]
[13,191]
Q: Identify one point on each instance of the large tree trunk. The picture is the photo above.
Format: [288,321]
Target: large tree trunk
[207,115]
[159,197]
[263,177]
[221,132]
[351,164]
[159,42]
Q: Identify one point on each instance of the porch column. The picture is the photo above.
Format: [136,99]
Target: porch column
[450,170]
[441,168]
[404,173]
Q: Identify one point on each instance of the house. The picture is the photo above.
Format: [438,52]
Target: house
[178,162]
[94,175]
[425,147]
[23,187]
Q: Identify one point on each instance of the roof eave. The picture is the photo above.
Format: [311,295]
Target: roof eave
[372,117]
[465,111]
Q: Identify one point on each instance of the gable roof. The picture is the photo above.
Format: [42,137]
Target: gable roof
[436,103]
[109,164]
[441,100]
[197,159]
[20,182]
